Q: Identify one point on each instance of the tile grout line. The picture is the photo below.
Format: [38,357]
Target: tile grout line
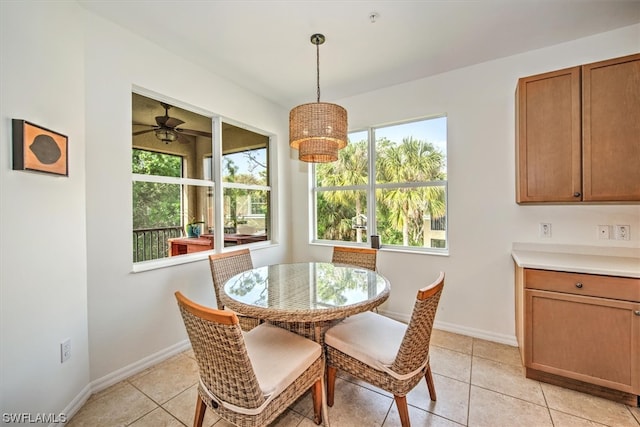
[473,341]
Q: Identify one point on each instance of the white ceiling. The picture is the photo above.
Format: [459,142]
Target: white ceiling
[264,45]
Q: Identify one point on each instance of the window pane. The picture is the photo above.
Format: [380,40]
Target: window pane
[161,213]
[152,163]
[246,167]
[244,156]
[246,216]
[412,152]
[352,166]
[342,215]
[170,132]
[412,216]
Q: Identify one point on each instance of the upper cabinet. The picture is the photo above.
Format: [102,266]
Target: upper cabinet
[578,134]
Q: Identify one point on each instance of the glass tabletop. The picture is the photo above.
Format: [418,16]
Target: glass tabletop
[305,291]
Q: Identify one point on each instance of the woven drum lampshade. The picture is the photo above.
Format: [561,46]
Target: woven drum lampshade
[318,129]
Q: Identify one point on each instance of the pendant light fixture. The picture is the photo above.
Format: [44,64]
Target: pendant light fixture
[318,129]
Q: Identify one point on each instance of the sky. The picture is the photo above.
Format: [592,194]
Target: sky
[431,130]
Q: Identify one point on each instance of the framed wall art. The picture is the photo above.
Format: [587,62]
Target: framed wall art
[38,149]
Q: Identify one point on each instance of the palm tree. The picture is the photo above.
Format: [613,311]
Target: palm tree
[351,168]
[411,161]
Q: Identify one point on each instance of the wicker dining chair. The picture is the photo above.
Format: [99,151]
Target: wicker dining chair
[384,352]
[361,257]
[249,378]
[226,265]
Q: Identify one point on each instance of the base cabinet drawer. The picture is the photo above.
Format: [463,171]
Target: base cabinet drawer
[594,340]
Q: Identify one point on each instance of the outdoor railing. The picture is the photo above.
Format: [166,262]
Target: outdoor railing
[151,243]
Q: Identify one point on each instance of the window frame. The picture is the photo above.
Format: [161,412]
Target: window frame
[371,188]
[215,183]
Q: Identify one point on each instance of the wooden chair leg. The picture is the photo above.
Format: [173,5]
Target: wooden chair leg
[403,410]
[430,384]
[331,384]
[316,392]
[200,409]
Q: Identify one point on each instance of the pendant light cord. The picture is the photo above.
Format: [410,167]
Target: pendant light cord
[318,68]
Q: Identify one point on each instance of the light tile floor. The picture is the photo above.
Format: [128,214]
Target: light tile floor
[478,383]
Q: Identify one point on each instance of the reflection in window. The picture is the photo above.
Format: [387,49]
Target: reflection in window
[174,172]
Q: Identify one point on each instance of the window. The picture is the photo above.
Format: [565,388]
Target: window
[406,203]
[174,164]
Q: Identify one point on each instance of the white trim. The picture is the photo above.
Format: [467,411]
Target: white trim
[121,374]
[74,406]
[139,366]
[459,329]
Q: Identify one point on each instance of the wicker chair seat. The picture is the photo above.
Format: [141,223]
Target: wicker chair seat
[278,356]
[372,339]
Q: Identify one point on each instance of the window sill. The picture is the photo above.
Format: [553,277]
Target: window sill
[385,248]
[194,257]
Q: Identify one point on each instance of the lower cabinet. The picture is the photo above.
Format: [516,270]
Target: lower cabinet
[582,331]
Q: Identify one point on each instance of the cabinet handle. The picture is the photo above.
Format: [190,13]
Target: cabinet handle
[576,194]
[637,312]
[579,285]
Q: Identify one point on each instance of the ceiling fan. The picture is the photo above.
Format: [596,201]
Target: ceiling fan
[167,130]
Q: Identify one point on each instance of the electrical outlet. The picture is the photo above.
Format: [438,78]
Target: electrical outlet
[65,350]
[623,232]
[545,230]
[604,232]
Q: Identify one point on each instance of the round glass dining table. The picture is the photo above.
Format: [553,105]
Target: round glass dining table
[306,292]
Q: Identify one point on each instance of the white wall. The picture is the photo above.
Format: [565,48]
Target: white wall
[484,219]
[43,273]
[134,315]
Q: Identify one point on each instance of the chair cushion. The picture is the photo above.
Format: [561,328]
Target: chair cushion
[369,337]
[278,356]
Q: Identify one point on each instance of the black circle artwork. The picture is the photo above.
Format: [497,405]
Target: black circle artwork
[45,149]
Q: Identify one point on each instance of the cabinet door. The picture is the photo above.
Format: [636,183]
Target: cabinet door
[548,137]
[611,115]
[594,340]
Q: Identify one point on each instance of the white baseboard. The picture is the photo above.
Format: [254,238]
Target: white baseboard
[75,405]
[139,366]
[121,374]
[458,329]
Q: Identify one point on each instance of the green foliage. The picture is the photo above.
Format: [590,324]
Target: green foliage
[155,204]
[401,211]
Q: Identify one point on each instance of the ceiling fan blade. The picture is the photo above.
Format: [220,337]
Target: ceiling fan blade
[140,132]
[193,132]
[172,122]
[183,139]
[161,120]
[142,124]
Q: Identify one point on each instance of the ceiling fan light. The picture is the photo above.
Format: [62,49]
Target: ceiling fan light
[166,135]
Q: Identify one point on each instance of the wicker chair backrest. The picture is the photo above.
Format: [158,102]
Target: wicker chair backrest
[221,354]
[414,349]
[226,265]
[361,257]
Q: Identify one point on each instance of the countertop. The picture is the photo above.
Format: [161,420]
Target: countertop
[580,261]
